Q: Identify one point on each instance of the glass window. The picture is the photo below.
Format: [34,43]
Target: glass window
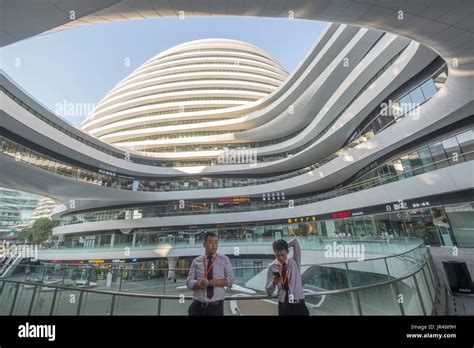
[415,162]
[426,160]
[405,103]
[461,220]
[439,156]
[398,165]
[417,96]
[466,141]
[429,89]
[452,149]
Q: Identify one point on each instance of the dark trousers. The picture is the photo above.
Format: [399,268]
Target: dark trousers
[292,309]
[196,309]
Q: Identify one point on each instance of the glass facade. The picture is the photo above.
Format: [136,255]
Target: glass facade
[425,159]
[443,225]
[16,208]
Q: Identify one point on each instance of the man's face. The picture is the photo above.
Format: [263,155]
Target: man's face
[281,255]
[211,244]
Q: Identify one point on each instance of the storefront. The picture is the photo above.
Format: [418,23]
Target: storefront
[451,224]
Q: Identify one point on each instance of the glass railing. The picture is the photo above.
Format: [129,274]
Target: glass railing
[370,287]
[196,208]
[373,244]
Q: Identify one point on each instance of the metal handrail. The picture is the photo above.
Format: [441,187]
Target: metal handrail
[418,246]
[115,295]
[250,297]
[234,268]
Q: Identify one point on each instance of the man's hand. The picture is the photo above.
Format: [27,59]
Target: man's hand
[276,281]
[201,285]
[218,282]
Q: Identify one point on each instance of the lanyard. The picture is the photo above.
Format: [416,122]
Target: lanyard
[285,278]
[207,270]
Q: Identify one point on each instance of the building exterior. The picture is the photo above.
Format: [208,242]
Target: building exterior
[214,135]
[182,102]
[16,210]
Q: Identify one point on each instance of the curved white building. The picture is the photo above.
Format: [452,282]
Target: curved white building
[181,98]
[366,126]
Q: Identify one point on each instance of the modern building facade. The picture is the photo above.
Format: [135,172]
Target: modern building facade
[185,100]
[16,210]
[372,135]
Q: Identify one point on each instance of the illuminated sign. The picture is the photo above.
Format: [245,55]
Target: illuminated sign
[273,196]
[400,205]
[341,214]
[420,205]
[96,261]
[234,200]
[118,261]
[301,219]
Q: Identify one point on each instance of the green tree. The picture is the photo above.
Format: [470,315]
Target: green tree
[41,230]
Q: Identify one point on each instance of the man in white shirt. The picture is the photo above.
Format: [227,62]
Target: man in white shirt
[207,277]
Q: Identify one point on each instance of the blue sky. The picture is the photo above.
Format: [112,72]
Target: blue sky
[81,65]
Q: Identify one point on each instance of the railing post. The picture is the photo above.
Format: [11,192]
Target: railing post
[427,284]
[79,304]
[164,282]
[419,294]
[347,275]
[32,300]
[112,306]
[432,269]
[121,278]
[349,283]
[64,276]
[51,311]
[397,293]
[359,306]
[14,299]
[159,306]
[386,265]
[430,273]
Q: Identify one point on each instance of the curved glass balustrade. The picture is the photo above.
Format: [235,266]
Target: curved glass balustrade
[370,287]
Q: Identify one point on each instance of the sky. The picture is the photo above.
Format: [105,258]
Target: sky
[79,66]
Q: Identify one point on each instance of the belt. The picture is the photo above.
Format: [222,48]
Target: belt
[208,304]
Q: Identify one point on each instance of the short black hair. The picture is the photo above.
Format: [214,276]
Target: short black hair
[280,244]
[210,234]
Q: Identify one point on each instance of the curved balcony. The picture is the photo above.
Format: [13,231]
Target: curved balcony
[197,208]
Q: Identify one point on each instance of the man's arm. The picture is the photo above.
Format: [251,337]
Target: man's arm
[296,250]
[269,286]
[191,281]
[228,274]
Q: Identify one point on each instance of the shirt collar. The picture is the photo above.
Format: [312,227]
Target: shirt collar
[281,264]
